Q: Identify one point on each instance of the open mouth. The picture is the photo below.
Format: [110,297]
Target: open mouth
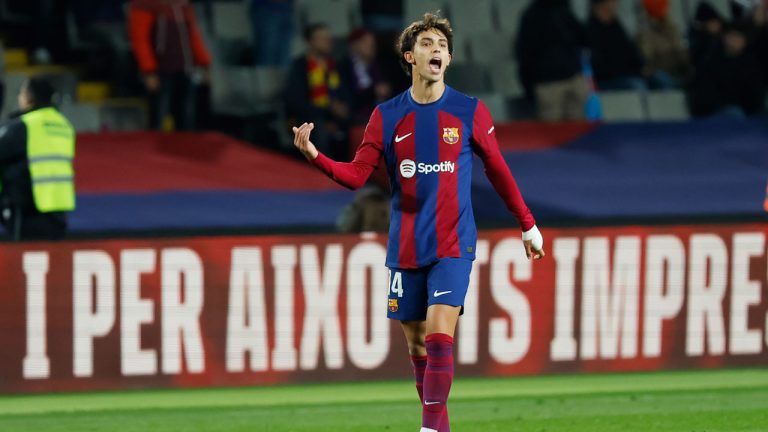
[435,65]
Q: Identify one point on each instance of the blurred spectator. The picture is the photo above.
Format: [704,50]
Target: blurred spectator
[383,16]
[368,212]
[362,75]
[316,94]
[754,19]
[272,22]
[169,49]
[616,60]
[2,77]
[548,52]
[666,59]
[729,82]
[206,10]
[37,147]
[102,23]
[43,23]
[705,32]
[742,10]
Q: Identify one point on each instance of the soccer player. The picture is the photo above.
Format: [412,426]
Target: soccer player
[427,136]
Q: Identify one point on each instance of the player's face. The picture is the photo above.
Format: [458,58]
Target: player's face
[430,55]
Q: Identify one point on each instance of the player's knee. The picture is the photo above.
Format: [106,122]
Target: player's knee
[416,344]
[417,347]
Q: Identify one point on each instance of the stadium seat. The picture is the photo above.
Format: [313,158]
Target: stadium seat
[13,82]
[722,6]
[497,105]
[341,16]
[506,80]
[298,45]
[415,9]
[460,48]
[232,91]
[630,12]
[581,9]
[679,14]
[268,83]
[469,78]
[84,117]
[471,16]
[667,105]
[126,114]
[245,91]
[232,51]
[230,20]
[509,14]
[489,48]
[622,106]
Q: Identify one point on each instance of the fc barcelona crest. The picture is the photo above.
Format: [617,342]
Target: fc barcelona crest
[393,305]
[451,135]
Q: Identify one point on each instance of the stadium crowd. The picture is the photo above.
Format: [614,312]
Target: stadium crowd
[190,59]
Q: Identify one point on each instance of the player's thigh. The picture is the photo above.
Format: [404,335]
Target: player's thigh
[442,319]
[407,294]
[448,281]
[447,284]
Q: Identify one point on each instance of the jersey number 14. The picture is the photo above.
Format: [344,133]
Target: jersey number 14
[397,283]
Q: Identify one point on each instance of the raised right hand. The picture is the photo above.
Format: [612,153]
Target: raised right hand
[302,142]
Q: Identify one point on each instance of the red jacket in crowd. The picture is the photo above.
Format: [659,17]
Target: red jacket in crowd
[165,36]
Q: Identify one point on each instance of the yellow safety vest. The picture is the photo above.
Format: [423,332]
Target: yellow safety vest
[50,151]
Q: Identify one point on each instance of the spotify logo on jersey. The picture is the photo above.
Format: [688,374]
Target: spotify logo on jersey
[407,168]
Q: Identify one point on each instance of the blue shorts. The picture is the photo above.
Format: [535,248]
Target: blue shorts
[412,291]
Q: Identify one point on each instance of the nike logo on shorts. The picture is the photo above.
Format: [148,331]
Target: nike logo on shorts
[432,402]
[400,138]
[439,293]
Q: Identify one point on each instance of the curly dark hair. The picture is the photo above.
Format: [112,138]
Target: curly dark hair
[408,36]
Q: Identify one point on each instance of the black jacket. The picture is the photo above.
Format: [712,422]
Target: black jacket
[614,54]
[14,168]
[549,43]
[722,81]
[361,101]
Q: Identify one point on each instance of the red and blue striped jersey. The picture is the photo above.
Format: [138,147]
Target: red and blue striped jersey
[428,150]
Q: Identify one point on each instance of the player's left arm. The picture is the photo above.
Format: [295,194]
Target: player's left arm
[485,145]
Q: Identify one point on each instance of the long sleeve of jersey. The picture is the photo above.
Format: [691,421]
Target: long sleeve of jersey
[485,146]
[353,175]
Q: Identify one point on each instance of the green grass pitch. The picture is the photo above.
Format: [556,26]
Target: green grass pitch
[695,401]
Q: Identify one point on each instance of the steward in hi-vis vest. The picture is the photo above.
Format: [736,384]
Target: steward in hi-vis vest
[37,148]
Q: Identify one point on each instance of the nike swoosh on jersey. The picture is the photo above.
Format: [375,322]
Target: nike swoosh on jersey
[431,402]
[400,138]
[491,129]
[439,293]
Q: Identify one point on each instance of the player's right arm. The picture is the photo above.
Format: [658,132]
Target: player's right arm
[352,175]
